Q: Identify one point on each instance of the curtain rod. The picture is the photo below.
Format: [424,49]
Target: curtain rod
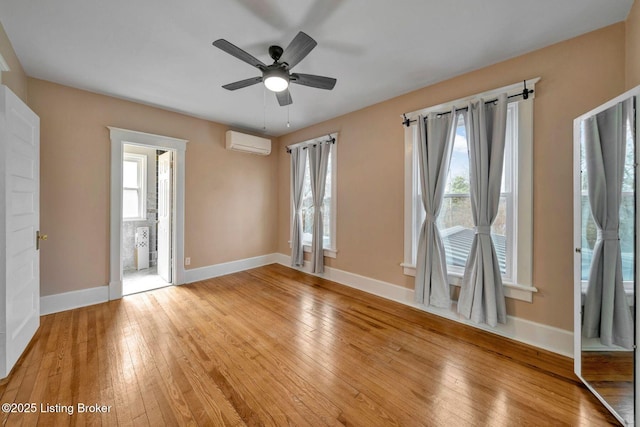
[331,140]
[524,94]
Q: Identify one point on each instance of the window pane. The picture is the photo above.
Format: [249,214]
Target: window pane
[307,207]
[499,235]
[455,221]
[326,209]
[326,222]
[130,174]
[627,235]
[130,204]
[627,210]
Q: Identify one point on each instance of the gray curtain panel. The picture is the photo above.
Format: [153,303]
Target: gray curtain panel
[318,163]
[435,143]
[482,296]
[298,165]
[606,312]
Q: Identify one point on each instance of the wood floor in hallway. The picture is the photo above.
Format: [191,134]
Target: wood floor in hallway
[274,346]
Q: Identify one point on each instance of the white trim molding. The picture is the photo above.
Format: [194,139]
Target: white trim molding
[74,299]
[511,290]
[120,137]
[211,271]
[512,89]
[84,297]
[536,334]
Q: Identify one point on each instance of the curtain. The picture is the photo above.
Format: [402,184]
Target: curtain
[435,143]
[481,296]
[318,162]
[606,312]
[298,165]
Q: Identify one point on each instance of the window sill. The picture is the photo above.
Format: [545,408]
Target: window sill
[628,291]
[328,252]
[511,290]
[133,219]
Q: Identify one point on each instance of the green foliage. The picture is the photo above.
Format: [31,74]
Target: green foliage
[459,185]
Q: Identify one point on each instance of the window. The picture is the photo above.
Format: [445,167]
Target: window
[512,230]
[134,168]
[328,206]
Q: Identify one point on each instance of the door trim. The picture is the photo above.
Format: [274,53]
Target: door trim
[119,137]
[164,217]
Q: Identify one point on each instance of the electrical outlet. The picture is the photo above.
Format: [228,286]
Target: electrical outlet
[187,261]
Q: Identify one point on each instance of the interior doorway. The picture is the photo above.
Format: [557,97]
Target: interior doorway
[147,212]
[119,138]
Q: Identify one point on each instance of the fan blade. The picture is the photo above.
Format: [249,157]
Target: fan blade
[243,83]
[319,82]
[319,13]
[284,97]
[234,50]
[267,12]
[299,47]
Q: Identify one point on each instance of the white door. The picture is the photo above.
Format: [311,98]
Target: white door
[20,260]
[165,197]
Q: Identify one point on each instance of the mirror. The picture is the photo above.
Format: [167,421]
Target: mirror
[605,238]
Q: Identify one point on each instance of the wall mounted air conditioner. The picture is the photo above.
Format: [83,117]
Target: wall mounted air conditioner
[247,143]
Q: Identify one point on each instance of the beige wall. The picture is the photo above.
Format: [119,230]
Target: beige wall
[229,202]
[230,209]
[15,79]
[633,46]
[576,76]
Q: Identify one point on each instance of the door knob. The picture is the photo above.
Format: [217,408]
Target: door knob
[40,237]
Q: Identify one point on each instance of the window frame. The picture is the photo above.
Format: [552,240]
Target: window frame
[141,161]
[518,284]
[332,250]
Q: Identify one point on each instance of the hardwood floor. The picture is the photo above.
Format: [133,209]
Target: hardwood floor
[611,375]
[273,346]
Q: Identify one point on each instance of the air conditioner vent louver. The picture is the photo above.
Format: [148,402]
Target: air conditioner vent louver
[237,141]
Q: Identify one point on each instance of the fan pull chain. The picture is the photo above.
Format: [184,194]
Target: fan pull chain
[288,110]
[264,108]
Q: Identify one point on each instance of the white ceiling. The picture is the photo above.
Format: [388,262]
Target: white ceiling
[160,53]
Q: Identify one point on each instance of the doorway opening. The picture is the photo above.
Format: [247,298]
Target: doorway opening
[175,199]
[147,212]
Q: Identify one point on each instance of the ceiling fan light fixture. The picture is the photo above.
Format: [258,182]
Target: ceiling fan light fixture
[276,80]
[277,76]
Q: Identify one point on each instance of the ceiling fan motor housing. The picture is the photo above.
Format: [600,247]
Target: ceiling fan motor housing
[275,52]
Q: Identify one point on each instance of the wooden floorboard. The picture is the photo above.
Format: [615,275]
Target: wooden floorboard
[273,346]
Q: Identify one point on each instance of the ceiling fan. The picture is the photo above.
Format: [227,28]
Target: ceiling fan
[277,76]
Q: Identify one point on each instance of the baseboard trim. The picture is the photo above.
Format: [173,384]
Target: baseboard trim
[56,303]
[209,272]
[543,336]
[74,299]
[550,338]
